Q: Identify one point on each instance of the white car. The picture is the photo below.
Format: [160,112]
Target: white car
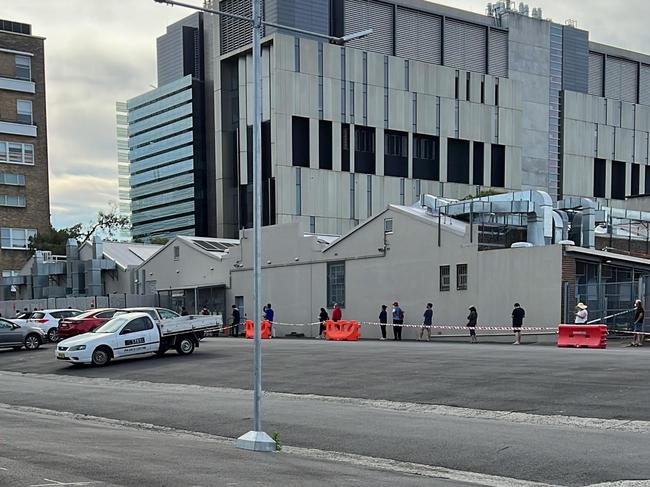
[157,314]
[48,320]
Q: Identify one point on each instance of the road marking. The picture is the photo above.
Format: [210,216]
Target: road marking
[569,422]
[53,483]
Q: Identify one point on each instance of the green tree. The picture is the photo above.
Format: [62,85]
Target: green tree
[109,222]
[55,240]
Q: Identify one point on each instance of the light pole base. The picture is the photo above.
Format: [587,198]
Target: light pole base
[256,441]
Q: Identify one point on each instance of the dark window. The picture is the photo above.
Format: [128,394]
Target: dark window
[300,141]
[426,157]
[139,324]
[468,87]
[618,180]
[482,88]
[364,150]
[458,161]
[325,144]
[456,87]
[336,284]
[396,154]
[634,189]
[177,252]
[105,315]
[345,147]
[600,171]
[266,151]
[477,164]
[647,181]
[461,277]
[496,92]
[445,284]
[498,166]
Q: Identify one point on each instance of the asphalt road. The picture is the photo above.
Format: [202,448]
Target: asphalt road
[318,386]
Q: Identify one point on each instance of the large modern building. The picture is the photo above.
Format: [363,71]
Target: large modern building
[436,100]
[24,187]
[166,141]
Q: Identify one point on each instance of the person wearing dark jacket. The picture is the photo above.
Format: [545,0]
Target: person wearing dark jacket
[639,316]
[398,321]
[236,318]
[322,317]
[472,319]
[427,323]
[518,315]
[383,319]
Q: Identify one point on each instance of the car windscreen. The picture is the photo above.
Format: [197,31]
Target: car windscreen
[113,325]
[38,316]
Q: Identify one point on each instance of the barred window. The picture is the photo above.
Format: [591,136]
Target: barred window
[336,284]
[444,278]
[461,277]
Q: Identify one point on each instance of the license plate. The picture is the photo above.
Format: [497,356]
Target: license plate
[60,355]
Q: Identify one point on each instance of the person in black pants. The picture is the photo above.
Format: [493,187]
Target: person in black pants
[322,317]
[236,318]
[398,320]
[383,319]
[472,319]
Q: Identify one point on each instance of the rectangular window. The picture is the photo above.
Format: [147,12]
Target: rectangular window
[364,149]
[461,277]
[458,161]
[600,171]
[647,181]
[15,201]
[445,278]
[345,147]
[477,164]
[402,192]
[312,224]
[353,197]
[298,191]
[324,144]
[395,154]
[388,225]
[28,154]
[498,166]
[634,189]
[482,88]
[496,92]
[456,85]
[300,141]
[368,196]
[16,238]
[296,49]
[12,179]
[426,157]
[24,67]
[24,111]
[468,87]
[336,284]
[618,180]
[177,252]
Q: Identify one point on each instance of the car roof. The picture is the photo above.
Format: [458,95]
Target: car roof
[138,308]
[55,310]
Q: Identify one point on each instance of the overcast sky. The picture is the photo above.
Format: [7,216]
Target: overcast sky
[101,51]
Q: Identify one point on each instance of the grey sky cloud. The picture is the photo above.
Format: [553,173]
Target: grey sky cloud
[101,51]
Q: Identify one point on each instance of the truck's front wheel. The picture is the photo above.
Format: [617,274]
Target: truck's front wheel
[185,346]
[101,356]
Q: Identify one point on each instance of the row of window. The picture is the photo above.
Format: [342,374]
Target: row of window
[617,181]
[10,179]
[468,88]
[16,238]
[461,277]
[16,153]
[24,68]
[426,154]
[16,201]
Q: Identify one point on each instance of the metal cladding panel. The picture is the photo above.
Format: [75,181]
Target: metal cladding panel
[418,35]
[235,33]
[596,74]
[498,53]
[465,46]
[369,14]
[575,60]
[644,91]
[621,79]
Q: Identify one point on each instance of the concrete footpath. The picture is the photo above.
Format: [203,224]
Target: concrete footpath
[38,449]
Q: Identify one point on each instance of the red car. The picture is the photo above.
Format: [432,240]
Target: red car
[85,322]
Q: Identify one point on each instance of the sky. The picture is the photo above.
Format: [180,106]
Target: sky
[100,51]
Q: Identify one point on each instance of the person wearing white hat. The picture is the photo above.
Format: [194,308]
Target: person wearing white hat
[582,315]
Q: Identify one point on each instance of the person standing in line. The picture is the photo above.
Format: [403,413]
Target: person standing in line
[322,318]
[639,316]
[427,323]
[383,319]
[205,311]
[398,321]
[337,314]
[184,311]
[236,318]
[472,319]
[518,314]
[582,315]
[268,316]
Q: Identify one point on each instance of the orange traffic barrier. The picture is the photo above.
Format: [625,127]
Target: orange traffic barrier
[588,336]
[342,330]
[250,329]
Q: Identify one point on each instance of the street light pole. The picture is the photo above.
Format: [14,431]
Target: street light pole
[256,439]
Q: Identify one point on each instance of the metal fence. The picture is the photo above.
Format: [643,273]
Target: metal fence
[611,298]
[10,308]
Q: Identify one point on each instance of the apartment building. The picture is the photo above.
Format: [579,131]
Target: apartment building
[24,186]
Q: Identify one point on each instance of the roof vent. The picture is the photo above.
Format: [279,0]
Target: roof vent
[521,245]
[566,242]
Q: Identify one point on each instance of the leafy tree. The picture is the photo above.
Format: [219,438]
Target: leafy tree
[55,240]
[109,222]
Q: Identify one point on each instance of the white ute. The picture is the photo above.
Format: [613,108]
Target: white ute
[135,334]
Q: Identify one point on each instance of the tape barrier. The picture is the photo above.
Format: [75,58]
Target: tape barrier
[439,327]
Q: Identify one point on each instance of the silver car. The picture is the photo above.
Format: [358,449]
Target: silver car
[19,336]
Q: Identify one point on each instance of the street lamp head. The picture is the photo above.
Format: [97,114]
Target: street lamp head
[355,35]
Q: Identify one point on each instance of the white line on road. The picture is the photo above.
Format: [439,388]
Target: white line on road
[53,483]
[569,422]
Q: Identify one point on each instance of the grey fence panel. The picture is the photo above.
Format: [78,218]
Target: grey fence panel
[117,301]
[8,309]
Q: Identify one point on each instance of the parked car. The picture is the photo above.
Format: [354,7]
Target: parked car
[48,320]
[132,334]
[22,317]
[156,313]
[85,322]
[18,336]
